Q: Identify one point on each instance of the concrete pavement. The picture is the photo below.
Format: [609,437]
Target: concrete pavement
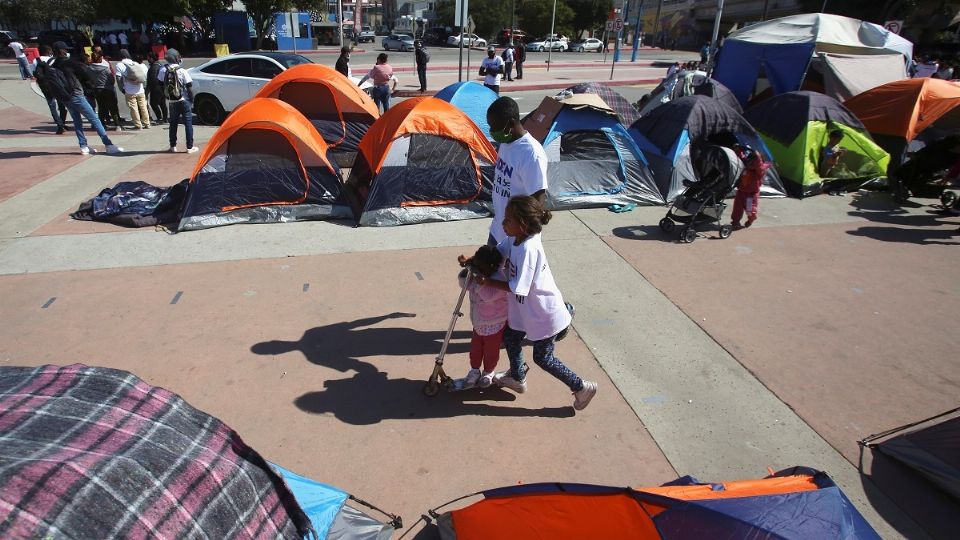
[301,319]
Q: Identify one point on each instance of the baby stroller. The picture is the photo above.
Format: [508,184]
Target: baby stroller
[718,169]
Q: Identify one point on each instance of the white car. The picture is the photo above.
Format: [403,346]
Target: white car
[542,45]
[589,44]
[222,84]
[469,40]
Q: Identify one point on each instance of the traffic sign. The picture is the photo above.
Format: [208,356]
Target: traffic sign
[609,26]
[894,26]
[618,25]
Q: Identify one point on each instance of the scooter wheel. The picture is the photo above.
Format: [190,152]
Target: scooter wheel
[725,231]
[667,225]
[688,235]
[947,198]
[431,389]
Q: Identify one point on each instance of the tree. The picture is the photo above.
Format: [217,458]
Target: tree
[489,15]
[262,13]
[537,14]
[588,14]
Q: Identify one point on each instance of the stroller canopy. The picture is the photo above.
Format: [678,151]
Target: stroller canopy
[265,164]
[473,99]
[336,107]
[796,126]
[626,112]
[423,160]
[666,134]
[593,160]
[98,453]
[689,83]
[798,503]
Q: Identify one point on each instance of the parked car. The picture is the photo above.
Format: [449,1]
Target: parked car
[222,84]
[366,34]
[469,40]
[519,36]
[400,42]
[543,44]
[589,44]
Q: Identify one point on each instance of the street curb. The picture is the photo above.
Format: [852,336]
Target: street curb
[532,87]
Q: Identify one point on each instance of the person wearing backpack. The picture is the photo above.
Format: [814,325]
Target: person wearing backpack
[58,110]
[63,78]
[131,76]
[507,56]
[178,89]
[155,89]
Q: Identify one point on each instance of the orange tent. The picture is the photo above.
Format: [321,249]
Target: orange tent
[905,108]
[423,160]
[336,107]
[266,163]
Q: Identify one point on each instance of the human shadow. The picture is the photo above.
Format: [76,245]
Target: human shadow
[923,237]
[35,130]
[646,232]
[17,154]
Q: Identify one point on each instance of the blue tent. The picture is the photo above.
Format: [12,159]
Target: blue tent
[592,159]
[668,134]
[472,98]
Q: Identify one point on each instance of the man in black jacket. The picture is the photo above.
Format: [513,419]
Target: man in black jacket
[343,63]
[70,75]
[422,58]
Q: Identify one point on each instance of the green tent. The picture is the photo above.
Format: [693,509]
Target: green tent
[795,127]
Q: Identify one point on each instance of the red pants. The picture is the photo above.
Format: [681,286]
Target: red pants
[485,350]
[745,201]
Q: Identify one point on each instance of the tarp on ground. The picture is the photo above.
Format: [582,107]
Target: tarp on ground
[668,135]
[473,99]
[592,159]
[794,504]
[265,164]
[795,127]
[783,48]
[423,160]
[339,110]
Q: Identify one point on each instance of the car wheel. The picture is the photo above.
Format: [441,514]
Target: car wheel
[580,49]
[540,49]
[208,110]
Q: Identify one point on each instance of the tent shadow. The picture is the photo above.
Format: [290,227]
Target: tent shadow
[35,130]
[923,237]
[645,232]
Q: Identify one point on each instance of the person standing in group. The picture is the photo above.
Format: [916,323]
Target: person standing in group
[384,83]
[343,62]
[422,57]
[535,308]
[131,76]
[521,162]
[492,70]
[178,89]
[122,40]
[58,109]
[64,75]
[508,61]
[17,49]
[519,57]
[154,89]
[111,42]
[103,82]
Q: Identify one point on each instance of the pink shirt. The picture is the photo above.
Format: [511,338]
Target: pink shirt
[488,308]
[381,74]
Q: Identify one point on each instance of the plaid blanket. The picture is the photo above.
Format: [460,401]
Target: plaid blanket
[90,452]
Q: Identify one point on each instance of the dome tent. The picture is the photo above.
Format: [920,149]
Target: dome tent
[423,160]
[625,110]
[689,83]
[265,164]
[473,99]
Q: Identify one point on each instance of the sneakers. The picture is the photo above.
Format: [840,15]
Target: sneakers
[113,149]
[505,379]
[85,150]
[472,377]
[486,379]
[193,150]
[173,149]
[117,128]
[61,130]
[582,397]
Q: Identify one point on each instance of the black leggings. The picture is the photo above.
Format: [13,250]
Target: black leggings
[158,104]
[107,105]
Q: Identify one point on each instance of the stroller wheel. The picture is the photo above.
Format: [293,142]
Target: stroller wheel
[667,225]
[688,235]
[725,231]
[947,198]
[431,389]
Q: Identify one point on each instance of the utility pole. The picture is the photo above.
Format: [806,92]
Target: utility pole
[716,33]
[340,19]
[616,43]
[656,23]
[550,43]
[637,42]
[463,16]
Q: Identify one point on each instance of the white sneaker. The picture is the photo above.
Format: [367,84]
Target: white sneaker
[582,397]
[173,149]
[113,149]
[486,379]
[85,150]
[472,377]
[193,150]
[505,379]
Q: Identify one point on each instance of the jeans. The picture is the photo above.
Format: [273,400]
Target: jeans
[157,103]
[422,75]
[381,96]
[542,356]
[508,70]
[79,109]
[25,72]
[178,109]
[58,111]
[519,70]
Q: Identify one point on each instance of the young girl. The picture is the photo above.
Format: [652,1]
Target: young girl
[488,313]
[535,307]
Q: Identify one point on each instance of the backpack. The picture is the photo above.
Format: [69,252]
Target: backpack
[136,73]
[53,82]
[172,87]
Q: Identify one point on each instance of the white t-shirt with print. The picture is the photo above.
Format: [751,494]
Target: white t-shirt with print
[492,63]
[536,306]
[521,170]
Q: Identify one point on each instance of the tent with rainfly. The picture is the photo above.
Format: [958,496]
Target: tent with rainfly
[423,160]
[473,99]
[794,504]
[624,109]
[265,164]
[795,127]
[337,108]
[592,159]
[92,452]
[673,131]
